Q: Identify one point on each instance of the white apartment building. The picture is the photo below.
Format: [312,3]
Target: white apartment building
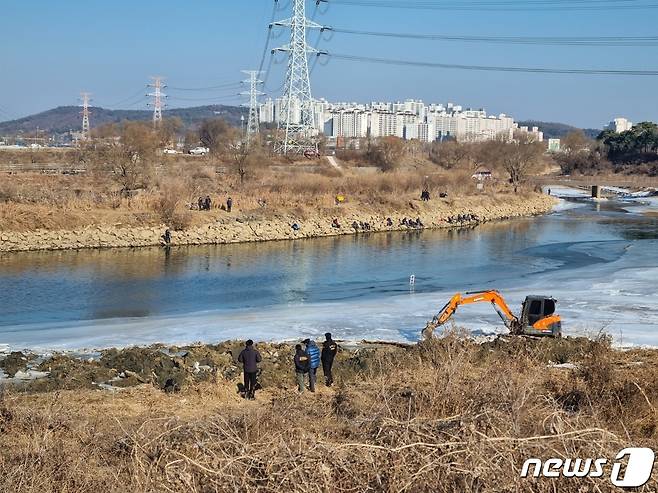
[350,124]
[619,125]
[411,119]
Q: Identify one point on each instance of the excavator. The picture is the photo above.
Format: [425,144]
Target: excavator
[538,316]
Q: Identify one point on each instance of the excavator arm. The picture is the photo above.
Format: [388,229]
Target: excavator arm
[493,297]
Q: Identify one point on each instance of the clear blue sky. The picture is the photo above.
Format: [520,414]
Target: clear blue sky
[53,50]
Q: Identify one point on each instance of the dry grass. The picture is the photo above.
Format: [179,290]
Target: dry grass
[445,416]
[31,201]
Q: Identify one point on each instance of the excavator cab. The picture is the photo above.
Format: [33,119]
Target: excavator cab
[538,317]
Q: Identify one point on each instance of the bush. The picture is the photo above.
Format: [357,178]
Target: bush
[172,193]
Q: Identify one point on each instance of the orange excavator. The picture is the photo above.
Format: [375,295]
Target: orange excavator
[538,316]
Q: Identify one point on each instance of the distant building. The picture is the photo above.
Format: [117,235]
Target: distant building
[482,174]
[619,125]
[553,145]
[411,120]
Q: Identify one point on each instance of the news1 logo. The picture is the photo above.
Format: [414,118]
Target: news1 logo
[639,465]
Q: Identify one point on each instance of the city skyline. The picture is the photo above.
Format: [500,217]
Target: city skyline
[114,56]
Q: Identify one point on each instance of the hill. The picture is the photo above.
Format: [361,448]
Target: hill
[65,118]
[553,130]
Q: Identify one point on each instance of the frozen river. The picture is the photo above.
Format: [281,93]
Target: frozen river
[600,260]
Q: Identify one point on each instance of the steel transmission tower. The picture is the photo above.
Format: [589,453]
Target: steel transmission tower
[157,96]
[85,97]
[253,123]
[297,118]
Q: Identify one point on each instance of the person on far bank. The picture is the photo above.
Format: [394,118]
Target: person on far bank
[313,353]
[329,350]
[302,364]
[250,357]
[229,204]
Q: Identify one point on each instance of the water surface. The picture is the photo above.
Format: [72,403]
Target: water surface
[599,260]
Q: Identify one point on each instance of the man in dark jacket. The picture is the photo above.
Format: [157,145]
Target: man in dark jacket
[313,353]
[329,350]
[302,364]
[250,357]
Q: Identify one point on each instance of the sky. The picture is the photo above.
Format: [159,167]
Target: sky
[51,51]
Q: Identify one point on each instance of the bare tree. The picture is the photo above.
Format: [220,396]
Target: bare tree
[386,153]
[132,158]
[449,155]
[520,157]
[217,135]
[246,159]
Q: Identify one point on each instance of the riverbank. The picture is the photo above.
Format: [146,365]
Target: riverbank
[220,227]
[424,417]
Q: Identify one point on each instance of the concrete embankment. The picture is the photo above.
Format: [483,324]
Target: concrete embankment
[241,228]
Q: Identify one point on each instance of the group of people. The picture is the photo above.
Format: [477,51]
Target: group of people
[361,226]
[204,204]
[306,361]
[463,218]
[412,223]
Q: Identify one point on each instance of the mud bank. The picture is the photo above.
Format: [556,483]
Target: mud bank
[243,228]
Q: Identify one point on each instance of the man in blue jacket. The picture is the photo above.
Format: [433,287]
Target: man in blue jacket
[313,353]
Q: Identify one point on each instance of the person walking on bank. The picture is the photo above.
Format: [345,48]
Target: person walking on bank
[301,367]
[250,357]
[313,353]
[329,350]
[229,204]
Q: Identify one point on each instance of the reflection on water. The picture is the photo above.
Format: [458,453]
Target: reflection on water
[87,285]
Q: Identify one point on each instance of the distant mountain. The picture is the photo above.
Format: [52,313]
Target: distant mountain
[554,130]
[65,118]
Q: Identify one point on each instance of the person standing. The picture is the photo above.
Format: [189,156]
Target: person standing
[250,357]
[329,350]
[301,367]
[229,204]
[207,204]
[313,353]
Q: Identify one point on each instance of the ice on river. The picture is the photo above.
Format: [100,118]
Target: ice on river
[619,297]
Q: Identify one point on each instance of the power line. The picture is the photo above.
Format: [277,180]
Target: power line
[541,70]
[130,98]
[526,40]
[209,98]
[228,85]
[540,5]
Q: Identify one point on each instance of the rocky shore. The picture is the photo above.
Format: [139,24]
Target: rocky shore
[242,228]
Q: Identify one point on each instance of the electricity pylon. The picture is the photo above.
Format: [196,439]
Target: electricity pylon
[253,123]
[297,116]
[85,97]
[157,96]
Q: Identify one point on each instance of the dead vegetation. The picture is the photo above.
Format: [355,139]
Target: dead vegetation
[444,416]
[123,176]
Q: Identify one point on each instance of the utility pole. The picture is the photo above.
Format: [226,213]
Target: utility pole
[157,96]
[297,122]
[85,97]
[253,122]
